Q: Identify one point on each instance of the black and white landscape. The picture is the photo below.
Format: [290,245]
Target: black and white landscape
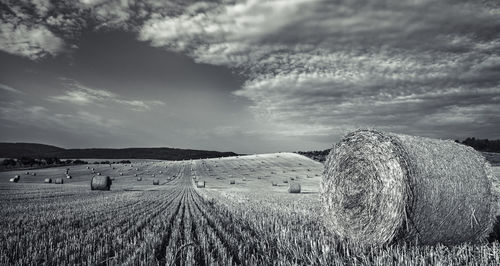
[168,132]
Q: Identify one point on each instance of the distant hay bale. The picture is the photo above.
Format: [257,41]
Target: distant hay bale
[156,182]
[27,173]
[200,184]
[100,183]
[121,174]
[274,184]
[58,181]
[381,188]
[34,174]
[294,188]
[15,179]
[244,179]
[291,178]
[135,175]
[232,182]
[98,173]
[285,181]
[139,178]
[47,180]
[68,176]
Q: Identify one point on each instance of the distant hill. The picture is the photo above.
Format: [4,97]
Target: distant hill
[35,150]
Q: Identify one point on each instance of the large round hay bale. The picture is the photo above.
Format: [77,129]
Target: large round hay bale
[100,182]
[294,188]
[200,184]
[47,180]
[232,182]
[156,182]
[69,176]
[15,179]
[382,188]
[59,181]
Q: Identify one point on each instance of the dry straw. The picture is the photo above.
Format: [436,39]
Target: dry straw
[294,188]
[100,182]
[381,188]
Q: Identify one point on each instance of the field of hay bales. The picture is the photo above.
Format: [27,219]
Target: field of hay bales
[249,222]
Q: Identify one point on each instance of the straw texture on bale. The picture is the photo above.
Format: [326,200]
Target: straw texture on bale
[381,188]
[59,181]
[47,180]
[100,182]
[294,188]
[156,182]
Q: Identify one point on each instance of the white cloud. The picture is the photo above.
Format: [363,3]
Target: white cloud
[41,117]
[10,89]
[31,41]
[316,65]
[82,95]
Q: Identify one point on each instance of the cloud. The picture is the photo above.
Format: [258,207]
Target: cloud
[409,66]
[82,95]
[10,89]
[28,40]
[41,117]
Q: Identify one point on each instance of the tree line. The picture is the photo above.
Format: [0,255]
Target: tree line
[25,162]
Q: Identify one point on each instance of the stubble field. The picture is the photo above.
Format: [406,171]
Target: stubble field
[249,222]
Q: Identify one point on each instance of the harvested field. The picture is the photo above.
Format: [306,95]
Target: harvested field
[249,222]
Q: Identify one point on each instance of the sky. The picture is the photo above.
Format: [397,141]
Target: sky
[249,76]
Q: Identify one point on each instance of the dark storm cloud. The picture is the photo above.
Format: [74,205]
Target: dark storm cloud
[313,69]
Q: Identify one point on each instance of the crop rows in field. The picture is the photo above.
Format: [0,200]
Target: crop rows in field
[137,223]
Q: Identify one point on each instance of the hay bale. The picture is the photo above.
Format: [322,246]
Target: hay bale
[139,178]
[68,176]
[27,173]
[100,183]
[99,174]
[15,179]
[47,180]
[200,184]
[294,188]
[58,181]
[285,181]
[34,174]
[274,184]
[156,182]
[135,175]
[232,182]
[121,174]
[383,188]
